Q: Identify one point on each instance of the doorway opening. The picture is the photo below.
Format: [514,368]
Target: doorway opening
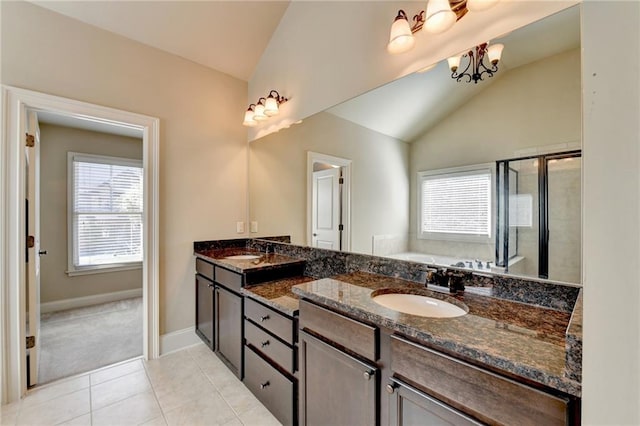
[18,295]
[328,202]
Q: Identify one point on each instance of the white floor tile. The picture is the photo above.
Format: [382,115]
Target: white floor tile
[184,391]
[116,371]
[55,389]
[259,416]
[78,421]
[57,410]
[158,421]
[207,410]
[131,411]
[118,389]
[239,397]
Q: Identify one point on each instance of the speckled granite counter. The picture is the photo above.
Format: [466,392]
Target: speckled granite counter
[264,262]
[278,294]
[519,339]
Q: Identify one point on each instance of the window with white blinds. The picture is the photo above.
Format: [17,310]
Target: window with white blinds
[106,206]
[456,204]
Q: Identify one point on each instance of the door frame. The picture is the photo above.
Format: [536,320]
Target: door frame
[15,103]
[315,157]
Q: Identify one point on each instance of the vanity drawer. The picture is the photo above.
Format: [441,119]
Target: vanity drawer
[269,319]
[350,334]
[229,279]
[270,386]
[268,345]
[204,268]
[491,398]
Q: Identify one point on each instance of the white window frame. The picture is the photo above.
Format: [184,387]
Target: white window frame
[441,236]
[73,270]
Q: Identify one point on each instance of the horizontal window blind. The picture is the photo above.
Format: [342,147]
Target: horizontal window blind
[107,211]
[457,203]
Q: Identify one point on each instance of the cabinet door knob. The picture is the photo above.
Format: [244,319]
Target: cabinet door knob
[368,374]
[265,343]
[264,318]
[390,388]
[264,385]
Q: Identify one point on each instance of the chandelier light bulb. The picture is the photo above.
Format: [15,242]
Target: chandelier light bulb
[494,51]
[258,113]
[248,117]
[439,16]
[271,107]
[454,62]
[400,38]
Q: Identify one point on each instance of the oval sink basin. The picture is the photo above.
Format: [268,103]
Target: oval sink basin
[243,257]
[415,304]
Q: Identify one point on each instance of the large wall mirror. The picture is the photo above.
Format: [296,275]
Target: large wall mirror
[483,176]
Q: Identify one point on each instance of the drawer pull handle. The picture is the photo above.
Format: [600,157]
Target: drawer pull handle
[265,343]
[264,385]
[390,388]
[368,374]
[264,318]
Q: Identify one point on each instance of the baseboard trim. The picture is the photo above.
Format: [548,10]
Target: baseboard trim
[79,302]
[177,340]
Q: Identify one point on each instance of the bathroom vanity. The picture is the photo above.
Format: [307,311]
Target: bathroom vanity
[312,344]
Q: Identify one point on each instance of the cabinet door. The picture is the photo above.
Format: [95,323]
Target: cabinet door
[336,388]
[229,328]
[204,310]
[410,407]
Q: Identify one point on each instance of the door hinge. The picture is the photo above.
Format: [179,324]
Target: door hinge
[31,342]
[31,241]
[341,227]
[30,140]
[341,181]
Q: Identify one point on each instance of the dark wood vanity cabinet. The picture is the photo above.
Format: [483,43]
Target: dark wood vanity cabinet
[219,312]
[339,376]
[270,360]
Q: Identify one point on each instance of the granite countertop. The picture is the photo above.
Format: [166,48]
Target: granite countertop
[516,338]
[277,294]
[266,261]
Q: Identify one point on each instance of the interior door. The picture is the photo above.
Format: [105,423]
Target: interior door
[33,246]
[326,209]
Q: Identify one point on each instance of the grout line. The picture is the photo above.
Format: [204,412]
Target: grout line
[153,390]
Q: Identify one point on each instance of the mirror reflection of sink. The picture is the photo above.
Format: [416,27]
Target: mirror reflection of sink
[243,257]
[416,304]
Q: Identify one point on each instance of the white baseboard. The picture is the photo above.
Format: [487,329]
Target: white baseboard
[79,302]
[177,340]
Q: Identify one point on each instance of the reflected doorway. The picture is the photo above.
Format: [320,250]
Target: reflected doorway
[328,201]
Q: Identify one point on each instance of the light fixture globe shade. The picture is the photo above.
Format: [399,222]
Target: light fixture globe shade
[400,39]
[259,114]
[248,119]
[494,52]
[439,17]
[271,107]
[480,5]
[454,62]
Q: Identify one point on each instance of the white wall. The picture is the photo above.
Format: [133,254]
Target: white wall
[611,231]
[202,142]
[56,142]
[324,52]
[379,180]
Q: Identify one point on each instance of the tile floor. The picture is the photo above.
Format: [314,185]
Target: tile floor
[189,387]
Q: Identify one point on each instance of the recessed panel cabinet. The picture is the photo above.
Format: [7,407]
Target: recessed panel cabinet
[336,388]
[228,320]
[204,310]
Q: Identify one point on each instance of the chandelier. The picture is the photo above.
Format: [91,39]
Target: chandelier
[476,68]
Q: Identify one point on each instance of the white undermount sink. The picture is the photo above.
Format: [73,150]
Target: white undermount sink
[243,257]
[416,304]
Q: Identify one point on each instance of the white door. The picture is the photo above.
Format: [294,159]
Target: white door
[33,253]
[326,209]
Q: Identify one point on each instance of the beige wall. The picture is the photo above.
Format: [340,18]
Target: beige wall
[202,142]
[535,105]
[379,180]
[56,141]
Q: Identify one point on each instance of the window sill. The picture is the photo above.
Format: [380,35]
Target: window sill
[103,269]
[461,238]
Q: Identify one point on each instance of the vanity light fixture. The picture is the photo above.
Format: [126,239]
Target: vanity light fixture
[263,109]
[438,17]
[476,67]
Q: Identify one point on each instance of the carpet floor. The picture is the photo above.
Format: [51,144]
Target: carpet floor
[83,339]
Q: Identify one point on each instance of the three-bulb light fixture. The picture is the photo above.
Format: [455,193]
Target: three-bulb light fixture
[263,109]
[438,17]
